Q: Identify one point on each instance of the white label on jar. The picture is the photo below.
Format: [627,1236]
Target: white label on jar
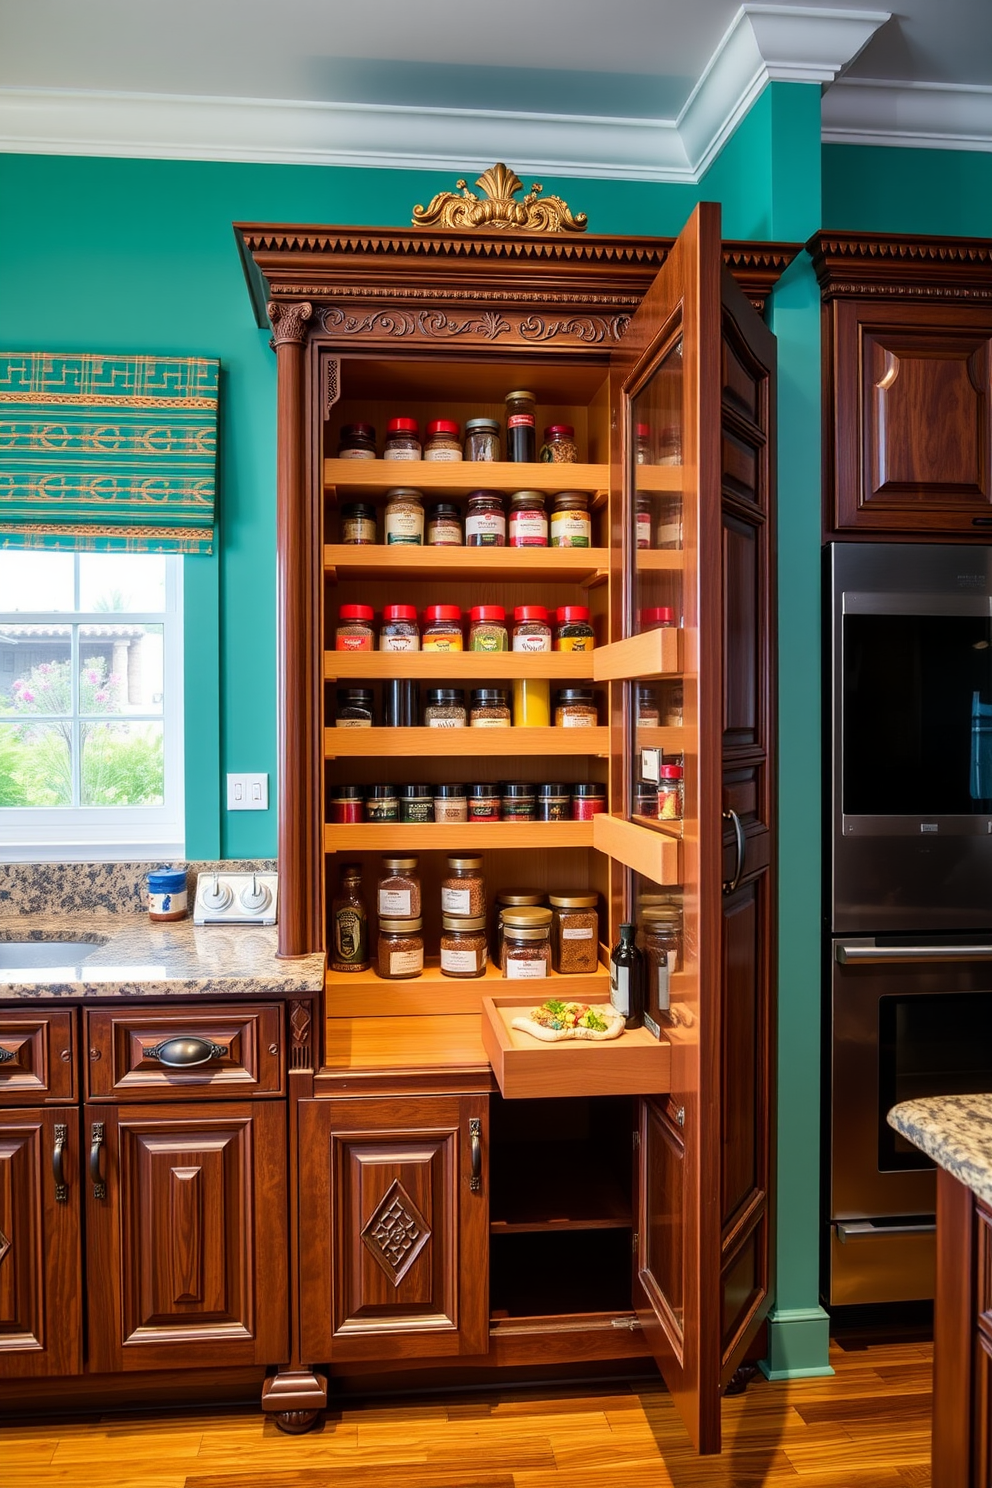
[356,454]
[490,723]
[532,642]
[459,960]
[402,963]
[570,530]
[643,529]
[399,643]
[172,903]
[668,534]
[444,535]
[517,970]
[358,530]
[413,453]
[395,903]
[620,989]
[456,901]
[486,526]
[442,454]
[663,992]
[577,934]
[446,810]
[446,723]
[404,526]
[528,529]
[578,720]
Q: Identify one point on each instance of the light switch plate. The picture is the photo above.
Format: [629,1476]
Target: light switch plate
[247,792]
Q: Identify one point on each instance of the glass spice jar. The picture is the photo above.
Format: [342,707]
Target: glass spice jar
[642,444]
[670,445]
[417,803]
[444,526]
[445,708]
[463,945]
[531,628]
[354,708]
[673,704]
[526,950]
[442,440]
[648,715]
[574,631]
[671,790]
[658,617]
[443,628]
[554,802]
[511,900]
[528,520]
[404,517]
[354,631]
[358,523]
[487,628]
[571,524]
[356,442]
[490,708]
[588,800]
[401,948]
[575,934]
[450,803]
[347,804]
[521,426]
[485,520]
[463,891]
[668,524]
[402,440]
[575,707]
[484,803]
[519,801]
[559,447]
[481,439]
[399,630]
[643,521]
[398,889]
[382,804]
[662,924]
[646,798]
[349,948]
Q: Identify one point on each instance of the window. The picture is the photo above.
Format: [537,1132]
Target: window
[91,721]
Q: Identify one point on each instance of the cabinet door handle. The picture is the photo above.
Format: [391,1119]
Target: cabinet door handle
[475,1140]
[732,883]
[185,1051]
[97,1138]
[58,1168]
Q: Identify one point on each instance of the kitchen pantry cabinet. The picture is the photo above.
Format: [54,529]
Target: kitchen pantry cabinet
[645,348]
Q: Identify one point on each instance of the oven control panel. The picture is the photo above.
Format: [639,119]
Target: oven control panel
[235,899]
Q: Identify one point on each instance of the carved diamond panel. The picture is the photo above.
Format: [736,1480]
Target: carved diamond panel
[4,1245]
[396,1233]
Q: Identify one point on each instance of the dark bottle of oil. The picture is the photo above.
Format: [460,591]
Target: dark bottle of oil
[627,979]
[521,426]
[349,923]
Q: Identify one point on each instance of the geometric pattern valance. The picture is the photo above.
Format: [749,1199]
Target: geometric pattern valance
[108,453]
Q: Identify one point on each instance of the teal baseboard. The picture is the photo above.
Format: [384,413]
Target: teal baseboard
[798,1343]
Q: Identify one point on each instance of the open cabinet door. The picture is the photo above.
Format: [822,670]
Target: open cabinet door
[693,395]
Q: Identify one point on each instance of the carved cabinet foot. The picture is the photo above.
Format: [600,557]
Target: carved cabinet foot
[295,1422]
[295,1398]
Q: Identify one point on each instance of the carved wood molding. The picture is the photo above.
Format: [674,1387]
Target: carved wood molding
[884,265]
[289,322]
[396,323]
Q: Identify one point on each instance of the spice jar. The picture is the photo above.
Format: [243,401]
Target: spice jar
[662,922]
[531,628]
[648,715]
[660,617]
[382,804]
[485,520]
[356,442]
[526,951]
[417,803]
[444,526]
[668,527]
[404,517]
[481,439]
[642,521]
[646,798]
[354,708]
[347,804]
[358,523]
[483,802]
[349,949]
[402,440]
[670,445]
[588,800]
[450,803]
[673,704]
[487,628]
[443,628]
[463,891]
[559,447]
[463,946]
[510,900]
[401,948]
[442,440]
[398,889]
[519,801]
[574,631]
[554,802]
[671,788]
[521,426]
[490,708]
[399,631]
[354,630]
[531,702]
[571,524]
[445,708]
[166,893]
[528,520]
[575,933]
[576,708]
[642,444]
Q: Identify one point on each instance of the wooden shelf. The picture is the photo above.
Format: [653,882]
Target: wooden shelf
[457,477]
[657,653]
[547,1186]
[660,560]
[652,853]
[658,477]
[457,666]
[364,995]
[670,738]
[417,1044]
[454,836]
[431,743]
[636,1063]
[585,566]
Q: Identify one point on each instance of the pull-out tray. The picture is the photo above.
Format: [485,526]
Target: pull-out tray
[633,1064]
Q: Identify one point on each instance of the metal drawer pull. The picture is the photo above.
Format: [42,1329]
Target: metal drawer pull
[475,1137]
[846,953]
[186,1052]
[7,1056]
[96,1142]
[732,883]
[58,1170]
[865,1230]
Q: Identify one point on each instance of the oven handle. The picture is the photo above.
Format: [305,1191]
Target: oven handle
[865,1230]
[847,953]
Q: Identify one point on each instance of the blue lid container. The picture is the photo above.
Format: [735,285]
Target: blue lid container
[166,880]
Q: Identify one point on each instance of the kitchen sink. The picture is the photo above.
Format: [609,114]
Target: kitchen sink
[29,954]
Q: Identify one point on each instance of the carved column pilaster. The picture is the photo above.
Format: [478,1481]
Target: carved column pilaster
[298,643]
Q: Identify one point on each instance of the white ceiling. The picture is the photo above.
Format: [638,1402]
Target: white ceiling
[643,88]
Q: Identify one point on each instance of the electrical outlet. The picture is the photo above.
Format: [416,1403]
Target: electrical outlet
[247,792]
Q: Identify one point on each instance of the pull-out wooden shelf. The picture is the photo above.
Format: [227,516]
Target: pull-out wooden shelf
[636,1063]
[350,478]
[585,566]
[457,666]
[363,994]
[409,743]
[455,836]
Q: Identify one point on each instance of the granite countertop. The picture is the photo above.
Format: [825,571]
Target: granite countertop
[956,1131]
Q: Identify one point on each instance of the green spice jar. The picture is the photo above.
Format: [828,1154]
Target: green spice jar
[487,628]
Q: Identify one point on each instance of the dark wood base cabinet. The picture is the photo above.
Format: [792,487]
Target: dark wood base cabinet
[962,1339]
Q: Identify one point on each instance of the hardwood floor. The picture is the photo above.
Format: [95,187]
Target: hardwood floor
[867,1427]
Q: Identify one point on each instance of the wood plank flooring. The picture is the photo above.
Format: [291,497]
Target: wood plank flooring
[866,1427]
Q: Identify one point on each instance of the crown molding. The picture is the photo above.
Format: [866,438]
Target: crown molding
[929,116]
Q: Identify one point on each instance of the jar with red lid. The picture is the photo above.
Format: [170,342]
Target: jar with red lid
[573,630]
[671,793]
[531,628]
[487,628]
[402,440]
[661,617]
[528,520]
[485,520]
[559,447]
[355,631]
[588,800]
[443,628]
[356,442]
[642,444]
[399,631]
[443,442]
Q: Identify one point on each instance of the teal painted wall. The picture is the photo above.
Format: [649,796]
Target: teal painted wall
[905,191]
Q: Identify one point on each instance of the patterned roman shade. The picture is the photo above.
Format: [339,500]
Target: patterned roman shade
[108,453]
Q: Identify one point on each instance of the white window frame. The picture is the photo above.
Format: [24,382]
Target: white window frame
[115,833]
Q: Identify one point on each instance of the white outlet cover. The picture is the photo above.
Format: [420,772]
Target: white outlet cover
[247,792]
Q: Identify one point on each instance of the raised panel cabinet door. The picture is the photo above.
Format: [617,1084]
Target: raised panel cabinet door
[187,1235]
[394,1228]
[40,1280]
